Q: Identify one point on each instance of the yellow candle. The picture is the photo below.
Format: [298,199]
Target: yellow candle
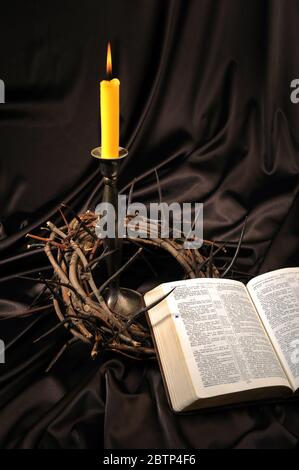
[110,113]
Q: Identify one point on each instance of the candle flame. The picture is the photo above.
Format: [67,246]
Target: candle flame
[109,61]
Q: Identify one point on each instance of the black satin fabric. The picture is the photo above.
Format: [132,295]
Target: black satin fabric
[205,98]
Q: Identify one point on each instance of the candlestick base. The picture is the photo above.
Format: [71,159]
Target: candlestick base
[124,302]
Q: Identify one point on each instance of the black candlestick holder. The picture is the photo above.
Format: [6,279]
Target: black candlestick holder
[119,299]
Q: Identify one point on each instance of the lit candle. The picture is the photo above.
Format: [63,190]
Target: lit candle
[110,112]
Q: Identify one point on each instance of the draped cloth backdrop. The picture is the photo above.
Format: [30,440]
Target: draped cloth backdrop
[205,98]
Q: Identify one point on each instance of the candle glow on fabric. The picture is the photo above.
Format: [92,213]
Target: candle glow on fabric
[109,97]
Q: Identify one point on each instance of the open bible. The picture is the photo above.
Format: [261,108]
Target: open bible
[221,342]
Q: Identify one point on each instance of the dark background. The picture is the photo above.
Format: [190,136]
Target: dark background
[205,97]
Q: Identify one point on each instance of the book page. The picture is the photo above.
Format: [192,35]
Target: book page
[276,296]
[222,337]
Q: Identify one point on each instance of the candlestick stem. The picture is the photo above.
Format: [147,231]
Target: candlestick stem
[112,244]
[121,300]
